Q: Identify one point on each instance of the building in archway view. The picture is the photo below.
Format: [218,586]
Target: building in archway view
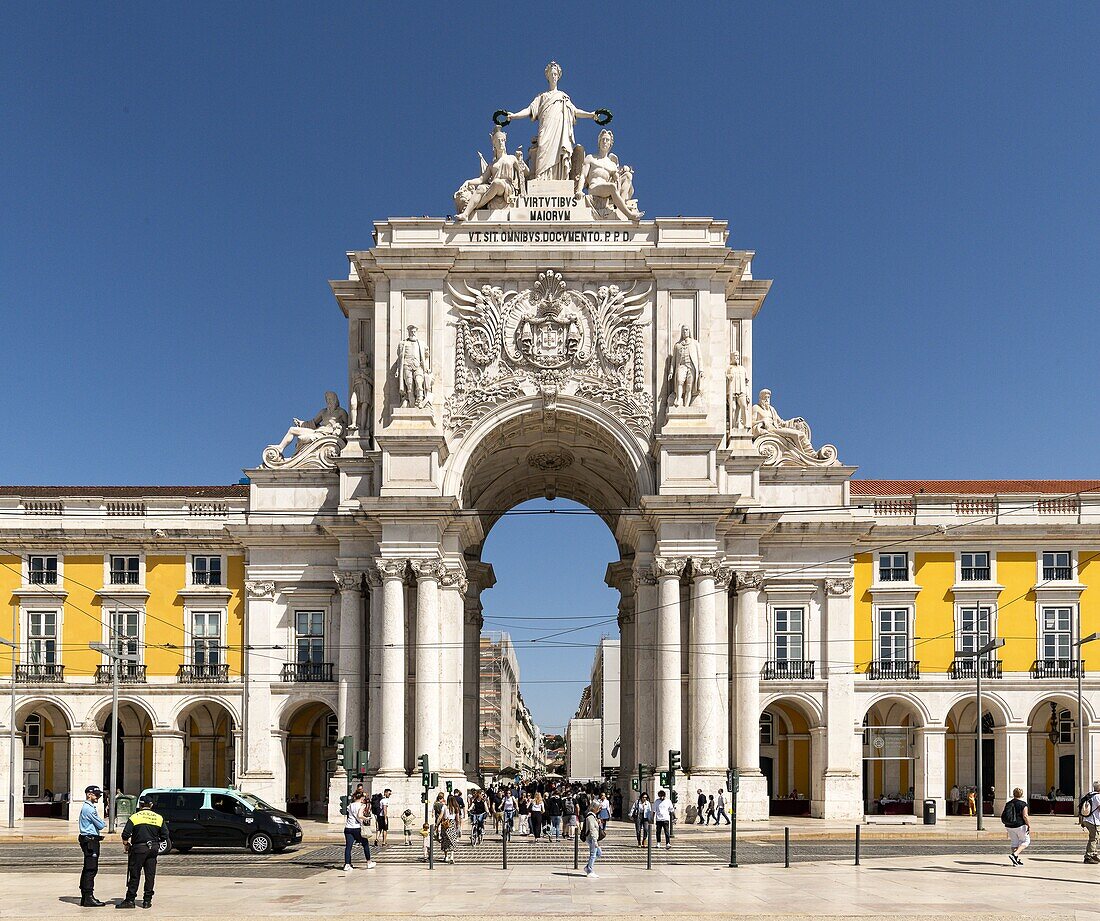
[778,616]
[592,735]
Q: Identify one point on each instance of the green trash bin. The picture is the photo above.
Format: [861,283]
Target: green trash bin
[125,806]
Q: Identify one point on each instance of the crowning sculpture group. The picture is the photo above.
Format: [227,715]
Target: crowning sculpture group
[549,337]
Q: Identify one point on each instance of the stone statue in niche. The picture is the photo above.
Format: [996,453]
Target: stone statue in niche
[685,371]
[609,182]
[361,401]
[320,439]
[413,370]
[505,178]
[556,115]
[786,442]
[737,395]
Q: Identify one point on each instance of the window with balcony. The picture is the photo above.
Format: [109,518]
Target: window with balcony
[974,627]
[1057,636]
[893,567]
[206,570]
[893,634]
[125,570]
[974,567]
[1057,566]
[206,638]
[42,570]
[788,634]
[309,636]
[42,638]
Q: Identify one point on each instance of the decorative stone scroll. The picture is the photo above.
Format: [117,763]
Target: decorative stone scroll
[644,575]
[392,569]
[320,440]
[669,566]
[264,588]
[427,569]
[348,581]
[548,339]
[786,442]
[750,579]
[454,578]
[837,587]
[723,577]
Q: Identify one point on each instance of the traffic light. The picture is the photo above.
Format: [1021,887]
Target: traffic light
[634,784]
[424,797]
[675,797]
[425,771]
[345,752]
[434,780]
[450,787]
[344,805]
[673,761]
[662,779]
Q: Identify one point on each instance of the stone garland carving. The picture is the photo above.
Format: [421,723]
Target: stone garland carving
[544,340]
[786,442]
[836,587]
[750,578]
[670,566]
[348,581]
[320,440]
[264,588]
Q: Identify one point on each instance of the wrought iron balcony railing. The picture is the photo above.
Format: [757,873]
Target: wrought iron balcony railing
[965,668]
[209,671]
[788,670]
[127,674]
[39,674]
[1056,668]
[307,671]
[893,670]
[1057,573]
[975,574]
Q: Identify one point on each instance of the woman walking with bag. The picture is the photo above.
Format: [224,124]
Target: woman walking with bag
[538,810]
[353,831]
[448,830]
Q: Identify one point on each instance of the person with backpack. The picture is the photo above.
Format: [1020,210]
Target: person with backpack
[554,809]
[640,814]
[1088,814]
[1016,819]
[721,807]
[591,833]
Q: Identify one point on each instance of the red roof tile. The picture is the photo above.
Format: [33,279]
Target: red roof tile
[129,492]
[971,487]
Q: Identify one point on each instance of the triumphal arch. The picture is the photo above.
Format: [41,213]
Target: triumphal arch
[549,339]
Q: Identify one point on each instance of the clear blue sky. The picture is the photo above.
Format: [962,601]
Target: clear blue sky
[179,182]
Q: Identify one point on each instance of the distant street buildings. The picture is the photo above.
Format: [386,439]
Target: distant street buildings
[592,736]
[511,741]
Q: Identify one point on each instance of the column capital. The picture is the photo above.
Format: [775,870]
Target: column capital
[836,588]
[454,578]
[473,618]
[750,578]
[392,569]
[644,575]
[427,569]
[348,580]
[263,588]
[625,618]
[373,577]
[705,566]
[723,577]
[666,566]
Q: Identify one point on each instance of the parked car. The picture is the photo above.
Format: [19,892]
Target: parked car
[220,817]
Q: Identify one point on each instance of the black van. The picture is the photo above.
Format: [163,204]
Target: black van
[217,817]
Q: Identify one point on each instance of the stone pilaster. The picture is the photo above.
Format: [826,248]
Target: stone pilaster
[167,758]
[372,688]
[669,674]
[930,767]
[350,661]
[259,619]
[841,794]
[429,638]
[645,665]
[628,692]
[85,766]
[391,704]
[707,673]
[752,651]
[453,584]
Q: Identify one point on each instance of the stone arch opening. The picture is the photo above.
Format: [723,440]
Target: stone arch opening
[209,744]
[1053,724]
[891,729]
[42,733]
[960,753]
[787,756]
[311,732]
[134,766]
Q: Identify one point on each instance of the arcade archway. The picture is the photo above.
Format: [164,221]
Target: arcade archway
[311,734]
[209,744]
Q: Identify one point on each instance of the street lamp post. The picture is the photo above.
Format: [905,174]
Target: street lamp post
[11,737]
[117,658]
[977,657]
[1079,666]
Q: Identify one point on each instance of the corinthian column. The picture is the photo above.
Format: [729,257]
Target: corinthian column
[628,697]
[350,662]
[669,667]
[429,638]
[645,666]
[707,671]
[752,799]
[452,670]
[391,672]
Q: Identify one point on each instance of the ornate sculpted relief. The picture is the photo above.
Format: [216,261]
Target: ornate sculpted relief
[320,439]
[548,339]
[786,442]
[670,566]
[260,589]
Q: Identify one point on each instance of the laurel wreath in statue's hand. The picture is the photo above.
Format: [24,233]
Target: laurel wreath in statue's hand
[603,117]
[500,117]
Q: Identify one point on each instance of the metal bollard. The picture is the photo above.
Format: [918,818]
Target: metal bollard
[431,848]
[504,851]
[576,848]
[857,845]
[649,846]
[786,846]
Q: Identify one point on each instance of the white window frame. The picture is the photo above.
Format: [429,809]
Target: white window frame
[189,613]
[766,718]
[976,582]
[909,562]
[1040,580]
[977,603]
[773,633]
[25,611]
[305,608]
[112,607]
[876,632]
[1041,632]
[192,584]
[35,721]
[109,586]
[43,586]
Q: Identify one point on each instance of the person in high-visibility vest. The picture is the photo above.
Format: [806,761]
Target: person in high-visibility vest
[142,837]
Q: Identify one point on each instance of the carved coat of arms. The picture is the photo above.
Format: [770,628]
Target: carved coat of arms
[548,339]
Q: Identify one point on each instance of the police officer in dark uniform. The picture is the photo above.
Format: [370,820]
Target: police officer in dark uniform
[142,837]
[89,838]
